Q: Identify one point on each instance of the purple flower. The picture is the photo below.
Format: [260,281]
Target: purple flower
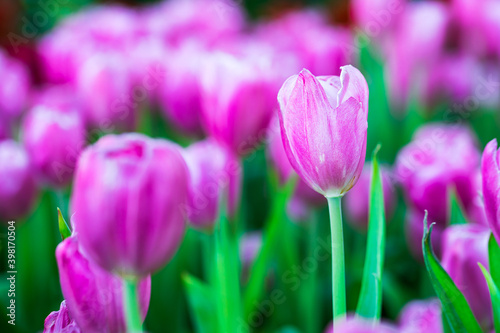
[360,325]
[60,322]
[377,17]
[323,125]
[421,316]
[54,134]
[128,198]
[93,296]
[464,246]
[214,172]
[357,201]
[17,189]
[14,87]
[491,186]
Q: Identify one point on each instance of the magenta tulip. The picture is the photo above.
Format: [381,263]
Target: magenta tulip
[128,196]
[215,173]
[490,171]
[17,189]
[54,134]
[357,201]
[464,246]
[239,96]
[377,17]
[323,125]
[60,322]
[14,87]
[421,316]
[94,296]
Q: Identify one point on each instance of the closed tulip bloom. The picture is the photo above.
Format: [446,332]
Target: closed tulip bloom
[421,316]
[128,196]
[17,189]
[94,297]
[323,124]
[464,246]
[215,172]
[53,136]
[60,322]
[490,171]
[357,201]
[239,95]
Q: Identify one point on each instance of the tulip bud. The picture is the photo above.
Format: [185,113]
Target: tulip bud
[238,99]
[214,173]
[53,136]
[464,246]
[421,316]
[439,158]
[357,201]
[14,87]
[17,188]
[360,325]
[323,125]
[490,171]
[128,199]
[60,322]
[93,296]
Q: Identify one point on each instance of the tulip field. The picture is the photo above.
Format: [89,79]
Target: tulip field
[240,166]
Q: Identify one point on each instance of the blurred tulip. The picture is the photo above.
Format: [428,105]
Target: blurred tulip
[490,171]
[214,173]
[60,322]
[238,99]
[17,189]
[127,199]
[357,201]
[439,158]
[464,246]
[376,17]
[14,87]
[54,134]
[421,316]
[323,125]
[360,325]
[93,296]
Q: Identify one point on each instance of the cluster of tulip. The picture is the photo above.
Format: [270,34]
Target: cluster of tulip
[148,130]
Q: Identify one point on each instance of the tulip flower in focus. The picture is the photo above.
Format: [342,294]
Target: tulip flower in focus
[464,246]
[490,171]
[17,188]
[323,124]
[94,296]
[357,200]
[60,322]
[54,134]
[421,316]
[127,198]
[238,97]
[214,173]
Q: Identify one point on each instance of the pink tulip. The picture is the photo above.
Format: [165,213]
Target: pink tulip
[93,296]
[323,124]
[214,173]
[128,196]
[14,87]
[377,17]
[490,171]
[60,322]
[421,316]
[360,325]
[17,189]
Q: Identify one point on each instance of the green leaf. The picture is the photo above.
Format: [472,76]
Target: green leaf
[63,226]
[455,306]
[494,259]
[495,297]
[455,209]
[201,304]
[370,298]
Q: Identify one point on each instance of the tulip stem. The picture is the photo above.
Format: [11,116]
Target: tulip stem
[338,266]
[131,304]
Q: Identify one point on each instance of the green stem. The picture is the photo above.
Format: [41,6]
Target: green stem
[131,303]
[312,309]
[338,267]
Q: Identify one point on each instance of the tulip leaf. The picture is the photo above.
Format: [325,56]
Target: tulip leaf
[494,259]
[455,209]
[370,298]
[495,297]
[455,307]
[201,304]
[63,226]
